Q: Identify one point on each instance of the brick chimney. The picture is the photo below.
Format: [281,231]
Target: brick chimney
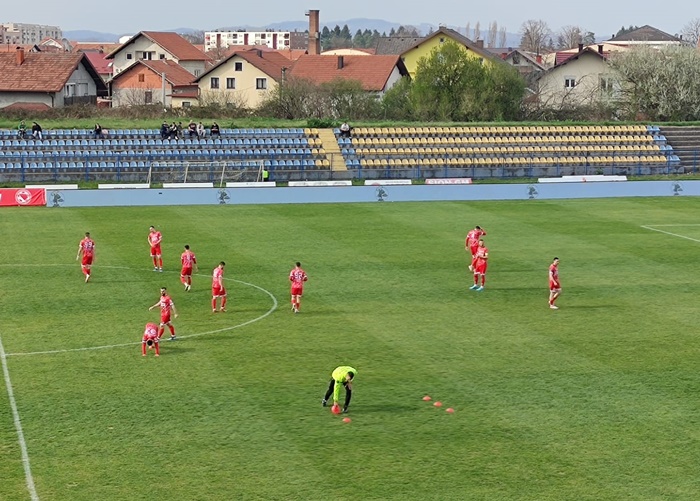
[314,32]
[580,47]
[480,43]
[20,56]
[341,62]
[600,49]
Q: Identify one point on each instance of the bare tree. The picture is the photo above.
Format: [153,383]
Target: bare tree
[570,36]
[535,36]
[492,34]
[502,36]
[468,30]
[477,31]
[691,32]
[195,37]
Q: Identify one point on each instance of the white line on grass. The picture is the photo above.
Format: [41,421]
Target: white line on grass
[18,425]
[669,233]
[109,346]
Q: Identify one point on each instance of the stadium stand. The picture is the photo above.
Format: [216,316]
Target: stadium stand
[384,152]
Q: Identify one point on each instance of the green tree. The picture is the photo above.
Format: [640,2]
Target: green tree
[450,85]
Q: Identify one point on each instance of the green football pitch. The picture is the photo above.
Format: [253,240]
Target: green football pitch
[595,401]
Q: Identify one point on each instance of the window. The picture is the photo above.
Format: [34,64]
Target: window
[186,104]
[238,66]
[606,85]
[230,83]
[148,97]
[70,90]
[83,89]
[516,58]
[197,72]
[129,55]
[214,84]
[261,83]
[142,78]
[162,56]
[569,82]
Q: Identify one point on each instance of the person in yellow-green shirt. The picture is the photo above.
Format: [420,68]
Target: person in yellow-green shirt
[341,376]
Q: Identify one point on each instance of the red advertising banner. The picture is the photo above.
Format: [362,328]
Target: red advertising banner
[17,197]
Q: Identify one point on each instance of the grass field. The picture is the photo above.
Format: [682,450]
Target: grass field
[595,401]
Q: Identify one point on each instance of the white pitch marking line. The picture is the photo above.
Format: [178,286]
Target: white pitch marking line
[682,224]
[105,347]
[18,426]
[669,233]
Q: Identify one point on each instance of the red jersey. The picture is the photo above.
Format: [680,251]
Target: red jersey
[166,305]
[150,332]
[188,259]
[554,273]
[298,276]
[87,246]
[481,254]
[154,238]
[218,277]
[473,237]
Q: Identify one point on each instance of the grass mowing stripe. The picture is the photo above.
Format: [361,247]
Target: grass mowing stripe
[18,426]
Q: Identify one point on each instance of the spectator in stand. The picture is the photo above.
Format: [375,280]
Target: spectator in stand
[345,130]
[98,131]
[172,132]
[215,131]
[37,133]
[22,130]
[179,130]
[201,131]
[164,130]
[192,129]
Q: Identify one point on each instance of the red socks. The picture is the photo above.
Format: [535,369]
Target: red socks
[223,302]
[172,330]
[160,332]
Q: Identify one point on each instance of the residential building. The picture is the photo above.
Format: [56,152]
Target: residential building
[376,74]
[29,34]
[412,49]
[48,80]
[102,65]
[244,78]
[646,35]
[584,78]
[160,81]
[278,40]
[158,45]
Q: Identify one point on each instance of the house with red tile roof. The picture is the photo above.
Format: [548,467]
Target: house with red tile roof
[50,80]
[102,65]
[159,45]
[154,82]
[375,73]
[584,77]
[244,78]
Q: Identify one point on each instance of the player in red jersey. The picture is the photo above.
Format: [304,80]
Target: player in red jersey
[154,239]
[480,264]
[189,260]
[554,285]
[150,339]
[166,308]
[297,276]
[86,247]
[217,287]
[471,243]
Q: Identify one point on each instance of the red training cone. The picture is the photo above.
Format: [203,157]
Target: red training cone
[427,398]
[438,404]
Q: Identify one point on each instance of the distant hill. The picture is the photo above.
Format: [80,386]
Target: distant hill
[512,39]
[90,36]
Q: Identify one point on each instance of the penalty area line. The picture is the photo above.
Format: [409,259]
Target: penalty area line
[651,228]
[18,426]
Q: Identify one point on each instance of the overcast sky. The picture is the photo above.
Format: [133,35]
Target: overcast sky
[603,17]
